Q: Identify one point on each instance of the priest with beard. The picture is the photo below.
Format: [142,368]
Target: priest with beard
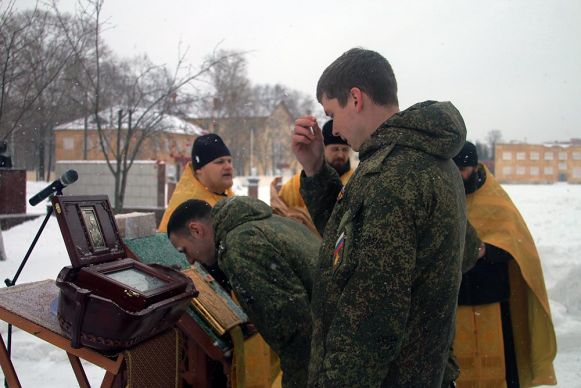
[337,155]
[504,331]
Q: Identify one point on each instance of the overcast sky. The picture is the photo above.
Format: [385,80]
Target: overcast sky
[514,66]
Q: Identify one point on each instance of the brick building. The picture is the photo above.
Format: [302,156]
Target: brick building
[270,151]
[539,163]
[170,141]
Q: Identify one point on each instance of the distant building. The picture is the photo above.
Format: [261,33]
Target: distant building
[268,152]
[170,140]
[261,142]
[539,163]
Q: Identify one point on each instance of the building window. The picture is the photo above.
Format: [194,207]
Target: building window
[576,155]
[562,166]
[521,156]
[534,171]
[534,155]
[520,171]
[548,170]
[548,156]
[562,156]
[506,156]
[68,143]
[577,172]
[506,170]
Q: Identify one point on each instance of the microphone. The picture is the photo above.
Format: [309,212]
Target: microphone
[66,179]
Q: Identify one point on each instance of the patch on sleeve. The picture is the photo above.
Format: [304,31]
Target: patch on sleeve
[339,245]
[341,194]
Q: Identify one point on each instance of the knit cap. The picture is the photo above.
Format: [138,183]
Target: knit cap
[207,148]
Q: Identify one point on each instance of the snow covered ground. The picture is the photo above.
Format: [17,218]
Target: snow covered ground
[552,212]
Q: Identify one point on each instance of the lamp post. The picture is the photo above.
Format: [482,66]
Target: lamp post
[252,173]
[252,179]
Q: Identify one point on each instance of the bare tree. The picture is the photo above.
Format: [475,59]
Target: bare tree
[271,148]
[267,97]
[34,54]
[241,109]
[483,150]
[231,101]
[143,95]
[493,137]
[18,93]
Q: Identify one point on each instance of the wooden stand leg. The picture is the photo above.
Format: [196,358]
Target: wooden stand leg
[8,367]
[116,380]
[79,371]
[108,380]
[198,364]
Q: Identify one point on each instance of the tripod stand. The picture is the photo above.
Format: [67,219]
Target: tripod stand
[12,282]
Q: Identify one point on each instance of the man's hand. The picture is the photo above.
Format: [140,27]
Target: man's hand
[307,144]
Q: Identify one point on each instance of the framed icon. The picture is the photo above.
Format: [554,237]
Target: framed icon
[93,228]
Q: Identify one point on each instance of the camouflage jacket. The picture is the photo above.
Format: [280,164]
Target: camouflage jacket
[385,295]
[269,262]
[471,250]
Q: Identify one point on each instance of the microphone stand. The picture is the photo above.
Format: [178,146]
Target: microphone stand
[10,283]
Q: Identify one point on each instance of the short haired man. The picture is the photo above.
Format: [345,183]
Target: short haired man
[209,176]
[268,261]
[503,311]
[337,155]
[384,296]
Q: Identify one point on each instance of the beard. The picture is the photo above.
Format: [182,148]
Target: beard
[341,168]
[475,180]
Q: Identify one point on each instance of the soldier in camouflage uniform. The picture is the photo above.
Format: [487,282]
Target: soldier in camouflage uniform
[385,294]
[268,261]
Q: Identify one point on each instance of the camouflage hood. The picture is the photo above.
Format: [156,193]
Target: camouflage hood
[436,128]
[232,212]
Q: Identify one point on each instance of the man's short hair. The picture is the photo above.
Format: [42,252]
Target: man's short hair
[363,69]
[191,210]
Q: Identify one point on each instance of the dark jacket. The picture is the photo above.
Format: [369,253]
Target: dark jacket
[269,262]
[385,296]
[486,281]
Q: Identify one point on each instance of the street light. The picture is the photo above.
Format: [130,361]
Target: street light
[252,172]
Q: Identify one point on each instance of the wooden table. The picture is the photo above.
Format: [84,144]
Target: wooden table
[27,306]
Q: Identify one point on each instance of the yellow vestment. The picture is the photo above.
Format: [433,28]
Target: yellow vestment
[499,223]
[189,187]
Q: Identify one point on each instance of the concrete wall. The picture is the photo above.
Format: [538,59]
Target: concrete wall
[145,184]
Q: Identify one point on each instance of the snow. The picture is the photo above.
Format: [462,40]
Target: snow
[162,121]
[552,213]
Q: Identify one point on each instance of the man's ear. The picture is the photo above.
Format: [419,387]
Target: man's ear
[356,98]
[196,228]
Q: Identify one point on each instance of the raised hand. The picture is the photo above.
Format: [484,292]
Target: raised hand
[307,144]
